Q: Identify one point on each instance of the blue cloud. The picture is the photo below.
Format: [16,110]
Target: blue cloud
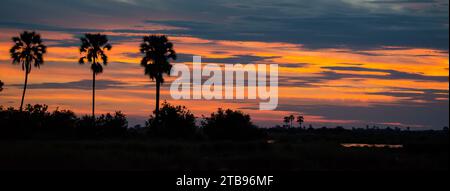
[316,24]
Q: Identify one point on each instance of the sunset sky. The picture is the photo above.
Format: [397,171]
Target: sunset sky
[342,62]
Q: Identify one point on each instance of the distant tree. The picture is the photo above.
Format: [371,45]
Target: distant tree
[174,122]
[229,124]
[286,121]
[291,119]
[28,49]
[1,85]
[445,129]
[300,120]
[157,50]
[92,49]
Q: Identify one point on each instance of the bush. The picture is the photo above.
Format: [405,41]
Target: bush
[105,126]
[232,125]
[37,122]
[12,123]
[174,122]
[62,119]
[37,115]
[110,125]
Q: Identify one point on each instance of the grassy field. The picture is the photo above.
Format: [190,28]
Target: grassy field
[314,154]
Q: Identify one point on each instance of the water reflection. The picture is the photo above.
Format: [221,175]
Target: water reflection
[359,145]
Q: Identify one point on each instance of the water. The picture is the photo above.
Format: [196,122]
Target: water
[360,145]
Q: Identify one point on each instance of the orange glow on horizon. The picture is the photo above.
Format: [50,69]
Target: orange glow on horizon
[137,94]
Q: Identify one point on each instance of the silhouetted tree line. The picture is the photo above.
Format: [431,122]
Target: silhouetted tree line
[174,122]
[179,122]
[38,122]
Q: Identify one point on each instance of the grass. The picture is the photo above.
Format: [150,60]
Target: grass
[156,155]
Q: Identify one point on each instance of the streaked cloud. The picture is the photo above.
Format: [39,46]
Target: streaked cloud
[80,85]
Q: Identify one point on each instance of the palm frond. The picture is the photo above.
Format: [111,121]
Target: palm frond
[92,49]
[157,52]
[28,48]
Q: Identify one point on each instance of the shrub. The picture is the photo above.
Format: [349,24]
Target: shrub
[11,123]
[229,124]
[174,122]
[106,125]
[35,121]
[63,119]
[112,125]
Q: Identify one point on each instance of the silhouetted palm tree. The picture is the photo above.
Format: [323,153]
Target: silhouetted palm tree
[27,50]
[288,120]
[93,48]
[300,120]
[157,51]
[1,85]
[291,119]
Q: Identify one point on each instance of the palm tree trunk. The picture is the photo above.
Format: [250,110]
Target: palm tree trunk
[24,89]
[158,84]
[93,98]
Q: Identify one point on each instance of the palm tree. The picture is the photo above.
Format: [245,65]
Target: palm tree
[291,119]
[1,85]
[157,51]
[300,120]
[27,50]
[93,48]
[286,121]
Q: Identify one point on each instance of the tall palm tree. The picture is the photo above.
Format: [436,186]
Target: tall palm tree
[27,50]
[93,47]
[157,50]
